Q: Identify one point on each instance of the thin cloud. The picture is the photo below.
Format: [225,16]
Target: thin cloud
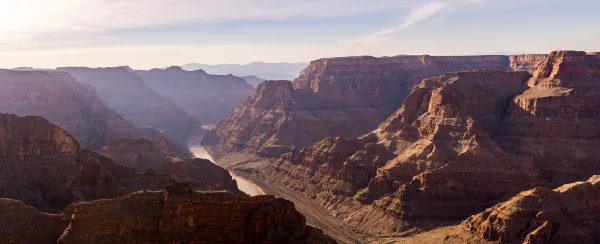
[416,15]
[25,19]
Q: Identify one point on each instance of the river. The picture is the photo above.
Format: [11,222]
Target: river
[243,184]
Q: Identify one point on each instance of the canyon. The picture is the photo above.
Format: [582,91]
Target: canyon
[336,97]
[75,107]
[125,92]
[460,143]
[207,98]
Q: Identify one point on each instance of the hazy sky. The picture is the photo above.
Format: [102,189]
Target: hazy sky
[157,33]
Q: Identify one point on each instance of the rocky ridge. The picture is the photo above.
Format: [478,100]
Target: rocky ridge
[45,167]
[336,97]
[568,214]
[122,90]
[459,144]
[74,106]
[175,215]
[207,98]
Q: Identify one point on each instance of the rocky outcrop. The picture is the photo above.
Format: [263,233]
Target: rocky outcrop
[73,106]
[335,97]
[207,98]
[568,214]
[45,167]
[460,143]
[175,215]
[122,90]
[144,156]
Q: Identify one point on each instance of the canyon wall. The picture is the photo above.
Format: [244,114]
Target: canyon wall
[122,90]
[45,167]
[336,97]
[207,98]
[459,144]
[74,106]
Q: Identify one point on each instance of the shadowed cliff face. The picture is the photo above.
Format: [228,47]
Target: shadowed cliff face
[460,143]
[336,97]
[176,215]
[74,106]
[122,90]
[207,98]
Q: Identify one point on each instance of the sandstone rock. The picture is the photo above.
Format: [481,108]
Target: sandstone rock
[207,98]
[122,90]
[527,62]
[336,97]
[143,156]
[460,143]
[176,215]
[183,216]
[568,214]
[73,106]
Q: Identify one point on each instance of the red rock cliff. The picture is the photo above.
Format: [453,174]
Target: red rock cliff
[339,97]
[460,143]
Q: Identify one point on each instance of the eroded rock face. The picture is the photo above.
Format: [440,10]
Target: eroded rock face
[175,215]
[44,166]
[336,97]
[144,156]
[568,214]
[74,106]
[207,98]
[122,90]
[460,143]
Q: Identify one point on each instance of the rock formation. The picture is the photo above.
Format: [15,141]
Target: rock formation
[142,155]
[336,97]
[460,143]
[74,106]
[44,166]
[175,215]
[208,98]
[568,214]
[122,90]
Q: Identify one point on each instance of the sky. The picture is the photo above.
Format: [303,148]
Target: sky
[157,33]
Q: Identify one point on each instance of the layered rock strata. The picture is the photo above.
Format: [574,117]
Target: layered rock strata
[175,215]
[74,106]
[568,214]
[460,143]
[45,167]
[122,90]
[336,97]
[207,98]
[144,157]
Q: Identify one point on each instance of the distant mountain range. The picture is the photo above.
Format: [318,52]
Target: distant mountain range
[269,71]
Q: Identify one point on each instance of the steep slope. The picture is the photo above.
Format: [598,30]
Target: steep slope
[208,98]
[142,155]
[568,214]
[460,143]
[176,215]
[45,167]
[336,97]
[74,106]
[122,90]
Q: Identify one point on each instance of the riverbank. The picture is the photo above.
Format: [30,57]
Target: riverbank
[244,185]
